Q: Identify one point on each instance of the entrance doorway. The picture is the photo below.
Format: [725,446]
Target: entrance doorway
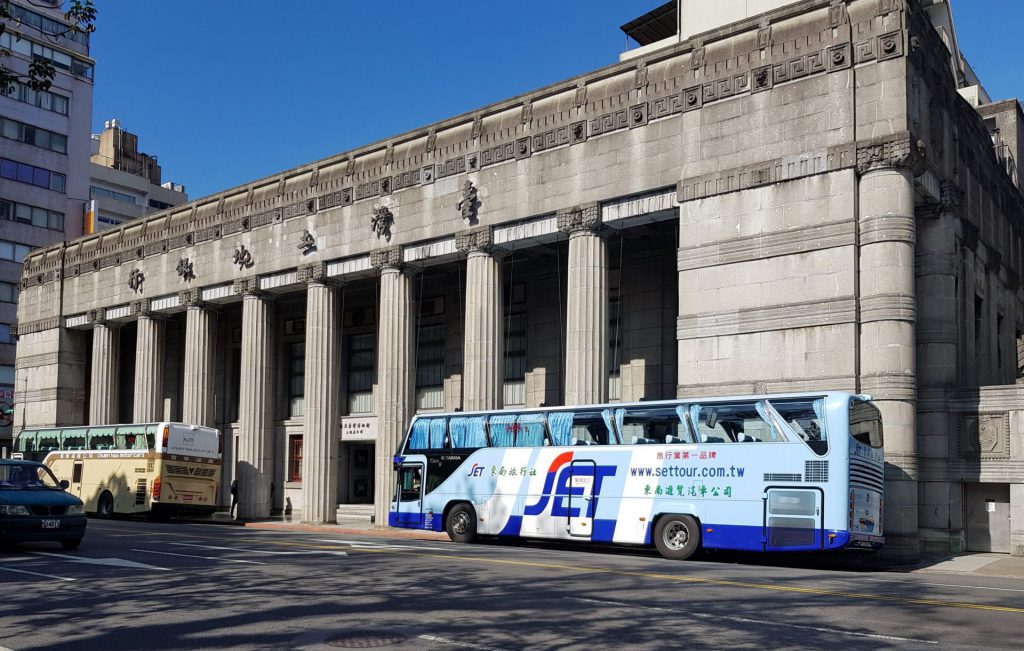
[988,517]
[357,476]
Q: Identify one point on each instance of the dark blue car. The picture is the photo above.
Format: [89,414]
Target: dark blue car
[34,506]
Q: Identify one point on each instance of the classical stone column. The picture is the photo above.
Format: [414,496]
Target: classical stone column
[149,369]
[104,380]
[586,340]
[323,369]
[938,266]
[887,321]
[197,405]
[256,397]
[395,371]
[482,367]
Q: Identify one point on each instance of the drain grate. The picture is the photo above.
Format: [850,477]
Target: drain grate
[365,639]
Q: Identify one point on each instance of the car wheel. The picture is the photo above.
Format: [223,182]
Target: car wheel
[461,524]
[105,505]
[677,537]
[71,544]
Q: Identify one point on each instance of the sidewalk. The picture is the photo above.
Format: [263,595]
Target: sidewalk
[976,563]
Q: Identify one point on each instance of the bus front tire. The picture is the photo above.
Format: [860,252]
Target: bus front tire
[105,505]
[677,537]
[461,524]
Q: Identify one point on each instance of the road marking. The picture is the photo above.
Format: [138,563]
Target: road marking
[947,585]
[259,551]
[706,581]
[458,643]
[209,558]
[111,562]
[373,545]
[49,576]
[747,620]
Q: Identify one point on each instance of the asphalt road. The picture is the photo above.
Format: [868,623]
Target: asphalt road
[141,585]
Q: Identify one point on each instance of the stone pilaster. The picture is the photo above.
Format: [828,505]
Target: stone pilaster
[586,341]
[395,370]
[104,380]
[256,397]
[482,357]
[320,438]
[200,364]
[887,333]
[149,370]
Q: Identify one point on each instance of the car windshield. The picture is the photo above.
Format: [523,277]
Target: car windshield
[26,476]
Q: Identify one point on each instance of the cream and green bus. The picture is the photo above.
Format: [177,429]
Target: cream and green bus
[161,469]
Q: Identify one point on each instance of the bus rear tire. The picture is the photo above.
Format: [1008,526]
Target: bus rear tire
[677,537]
[105,505]
[461,524]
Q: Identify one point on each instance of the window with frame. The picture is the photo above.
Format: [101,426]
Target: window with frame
[35,136]
[44,99]
[430,350]
[13,251]
[9,292]
[295,458]
[362,354]
[32,175]
[26,214]
[296,379]
[5,334]
[515,360]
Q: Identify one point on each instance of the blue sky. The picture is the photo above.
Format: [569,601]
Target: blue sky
[226,91]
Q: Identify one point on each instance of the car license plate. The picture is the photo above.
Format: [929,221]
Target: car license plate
[51,524]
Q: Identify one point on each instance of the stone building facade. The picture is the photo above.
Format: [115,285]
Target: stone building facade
[800,200]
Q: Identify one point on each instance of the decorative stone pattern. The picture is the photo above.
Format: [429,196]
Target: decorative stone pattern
[984,436]
[312,273]
[478,239]
[579,218]
[385,258]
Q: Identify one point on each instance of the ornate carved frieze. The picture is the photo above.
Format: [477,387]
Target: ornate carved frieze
[897,152]
[984,436]
[526,114]
[580,100]
[451,167]
[139,308]
[248,286]
[389,257]
[190,297]
[579,218]
[186,270]
[30,327]
[307,243]
[311,273]
[477,239]
[242,257]
[764,36]
[96,317]
[468,204]
[381,221]
[640,77]
[838,14]
[431,143]
[135,280]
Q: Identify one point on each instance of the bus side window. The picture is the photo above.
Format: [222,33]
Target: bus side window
[468,432]
[530,431]
[651,425]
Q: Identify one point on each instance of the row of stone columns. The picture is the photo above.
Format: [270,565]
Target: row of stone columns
[585,372]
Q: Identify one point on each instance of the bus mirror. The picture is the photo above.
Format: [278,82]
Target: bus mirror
[65,484]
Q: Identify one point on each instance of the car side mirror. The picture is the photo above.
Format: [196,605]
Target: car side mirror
[64,483]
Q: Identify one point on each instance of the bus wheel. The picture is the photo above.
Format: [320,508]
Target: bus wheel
[677,537]
[461,524]
[105,505]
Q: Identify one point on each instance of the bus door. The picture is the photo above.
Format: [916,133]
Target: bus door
[794,519]
[581,497]
[408,501]
[76,479]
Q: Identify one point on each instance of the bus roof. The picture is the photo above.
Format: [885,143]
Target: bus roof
[652,403]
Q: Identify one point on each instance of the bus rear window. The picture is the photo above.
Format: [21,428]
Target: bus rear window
[866,423]
[807,420]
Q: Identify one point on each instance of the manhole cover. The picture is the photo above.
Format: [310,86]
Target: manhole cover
[365,640]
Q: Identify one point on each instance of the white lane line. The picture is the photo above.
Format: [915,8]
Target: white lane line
[747,620]
[947,585]
[373,545]
[110,562]
[261,551]
[209,558]
[458,643]
[49,576]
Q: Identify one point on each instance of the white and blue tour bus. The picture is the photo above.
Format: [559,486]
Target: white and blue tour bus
[793,472]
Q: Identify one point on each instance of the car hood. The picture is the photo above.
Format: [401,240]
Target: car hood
[38,497]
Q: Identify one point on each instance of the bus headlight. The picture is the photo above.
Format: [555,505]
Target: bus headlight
[75,509]
[13,509]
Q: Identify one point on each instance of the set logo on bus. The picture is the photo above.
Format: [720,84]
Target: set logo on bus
[564,480]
